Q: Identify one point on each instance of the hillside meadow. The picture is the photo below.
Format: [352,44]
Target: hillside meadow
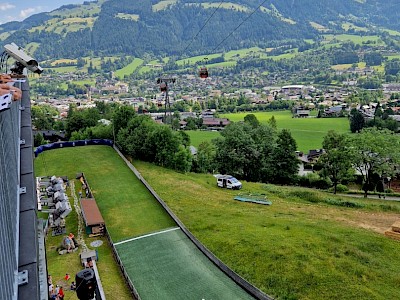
[308,132]
[306,245]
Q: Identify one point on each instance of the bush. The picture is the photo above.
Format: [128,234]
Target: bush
[344,203]
[313,180]
[340,188]
[310,196]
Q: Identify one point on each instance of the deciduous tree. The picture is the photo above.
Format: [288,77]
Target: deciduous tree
[336,161]
[375,152]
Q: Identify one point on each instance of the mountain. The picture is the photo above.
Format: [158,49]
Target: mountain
[171,27]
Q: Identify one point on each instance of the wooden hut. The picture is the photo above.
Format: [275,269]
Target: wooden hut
[91,215]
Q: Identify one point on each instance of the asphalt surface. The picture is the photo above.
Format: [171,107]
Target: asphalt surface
[375,197]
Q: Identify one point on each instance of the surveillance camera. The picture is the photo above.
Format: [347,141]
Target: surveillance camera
[23,60]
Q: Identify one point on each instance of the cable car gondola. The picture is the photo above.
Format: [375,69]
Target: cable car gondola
[163,87]
[203,72]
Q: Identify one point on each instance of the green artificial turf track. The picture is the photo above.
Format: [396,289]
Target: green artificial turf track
[167,265]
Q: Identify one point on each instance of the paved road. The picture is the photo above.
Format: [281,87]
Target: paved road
[390,198]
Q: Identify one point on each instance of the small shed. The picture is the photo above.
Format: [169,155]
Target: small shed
[91,215]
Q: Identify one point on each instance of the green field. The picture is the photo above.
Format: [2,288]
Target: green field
[285,55]
[392,32]
[117,192]
[195,59]
[222,65]
[357,39]
[129,69]
[199,136]
[90,8]
[308,132]
[64,69]
[132,17]
[304,246]
[297,248]
[394,56]
[226,5]
[163,266]
[347,25]
[85,82]
[348,66]
[242,52]
[163,5]
[167,265]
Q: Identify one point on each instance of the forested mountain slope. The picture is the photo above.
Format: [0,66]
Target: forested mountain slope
[137,27]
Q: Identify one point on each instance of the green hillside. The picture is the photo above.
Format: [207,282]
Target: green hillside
[124,27]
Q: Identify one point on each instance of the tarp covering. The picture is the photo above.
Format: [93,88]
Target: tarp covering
[57,145]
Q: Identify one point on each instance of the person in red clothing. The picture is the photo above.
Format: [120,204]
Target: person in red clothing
[60,295]
[67,277]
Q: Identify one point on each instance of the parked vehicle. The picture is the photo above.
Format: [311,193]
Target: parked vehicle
[228,181]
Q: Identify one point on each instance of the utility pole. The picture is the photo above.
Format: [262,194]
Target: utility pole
[163,82]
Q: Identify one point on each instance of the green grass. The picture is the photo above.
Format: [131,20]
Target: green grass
[193,60]
[347,66]
[116,189]
[197,136]
[318,27]
[150,66]
[226,5]
[64,69]
[222,64]
[128,210]
[84,82]
[121,199]
[308,132]
[357,39]
[90,9]
[285,55]
[5,35]
[32,47]
[132,17]
[169,266]
[129,69]
[163,5]
[242,52]
[392,32]
[347,25]
[394,56]
[306,245]
[64,60]
[297,248]
[59,265]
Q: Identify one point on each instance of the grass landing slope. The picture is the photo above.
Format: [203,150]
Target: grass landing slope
[162,266]
[306,245]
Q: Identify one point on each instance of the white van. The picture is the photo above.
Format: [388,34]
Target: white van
[228,181]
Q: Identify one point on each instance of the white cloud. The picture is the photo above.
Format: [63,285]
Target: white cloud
[30,11]
[6,6]
[27,12]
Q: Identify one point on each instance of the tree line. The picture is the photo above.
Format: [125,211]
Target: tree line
[247,150]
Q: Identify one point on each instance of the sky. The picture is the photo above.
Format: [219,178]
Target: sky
[18,10]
